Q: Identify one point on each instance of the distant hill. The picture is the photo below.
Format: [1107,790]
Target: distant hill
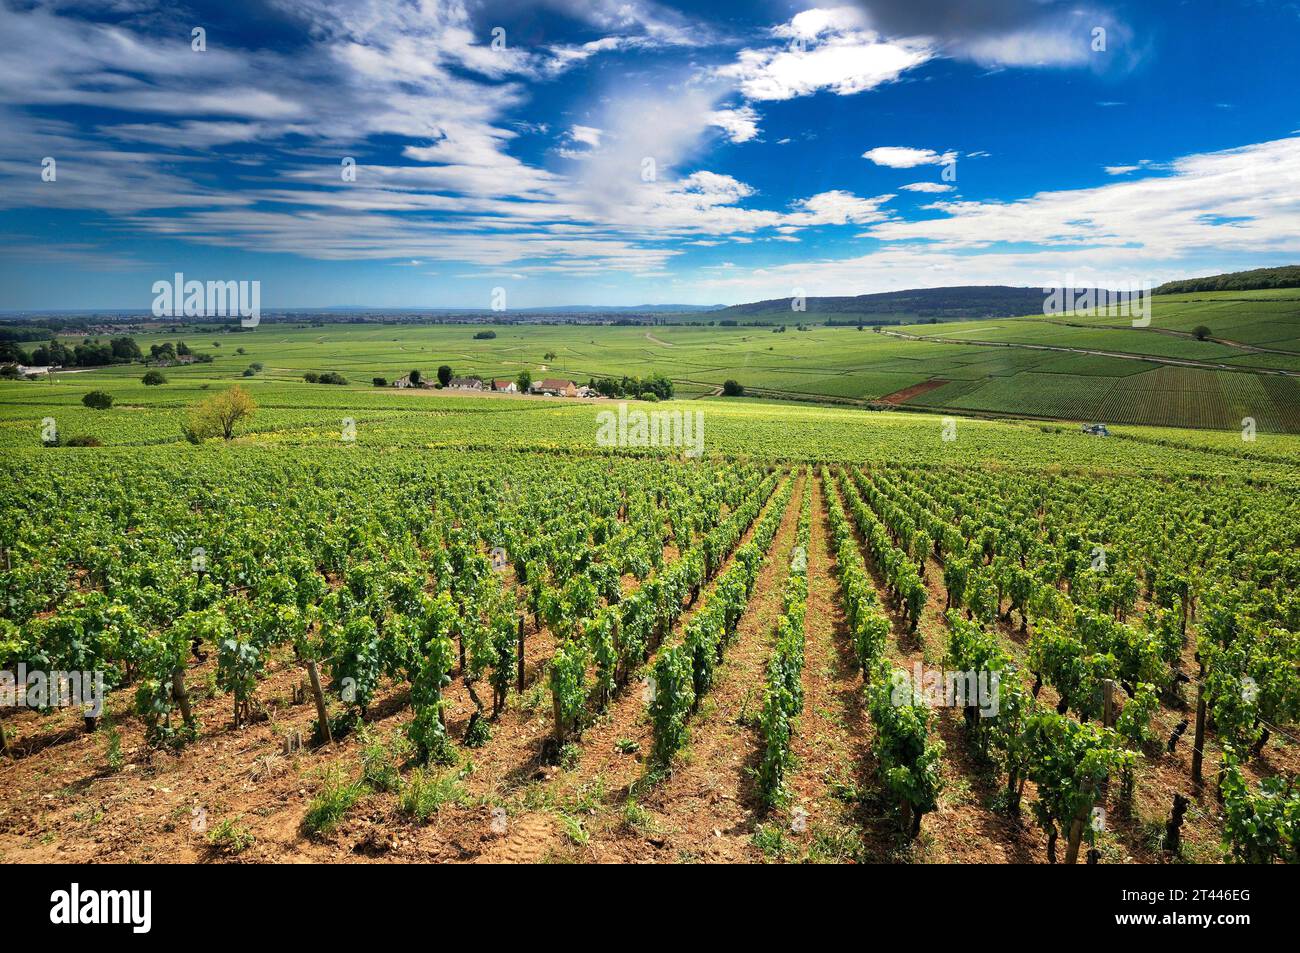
[1254,280]
[895,307]
[623,309]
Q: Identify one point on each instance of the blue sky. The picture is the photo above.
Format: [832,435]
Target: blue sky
[629,151]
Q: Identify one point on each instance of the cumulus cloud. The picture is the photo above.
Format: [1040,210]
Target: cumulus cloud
[435,116]
[837,207]
[1009,33]
[740,125]
[902,157]
[823,50]
[579,136]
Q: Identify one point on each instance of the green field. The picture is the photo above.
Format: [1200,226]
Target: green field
[352,525]
[1018,366]
[293,413]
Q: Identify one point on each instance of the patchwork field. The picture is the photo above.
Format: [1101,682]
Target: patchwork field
[1028,366]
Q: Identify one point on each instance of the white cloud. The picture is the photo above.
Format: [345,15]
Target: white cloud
[927,187]
[740,125]
[587,135]
[653,21]
[837,207]
[823,50]
[423,74]
[1154,228]
[1001,34]
[902,157]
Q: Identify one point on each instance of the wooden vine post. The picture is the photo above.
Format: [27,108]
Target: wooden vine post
[1108,702]
[182,696]
[519,662]
[322,717]
[1173,829]
[1076,827]
[1198,746]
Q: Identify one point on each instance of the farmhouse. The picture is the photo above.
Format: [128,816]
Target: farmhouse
[405,381]
[554,387]
[505,387]
[465,383]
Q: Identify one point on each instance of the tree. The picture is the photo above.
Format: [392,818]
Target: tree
[1201,332]
[379,381]
[658,385]
[524,381]
[444,375]
[733,389]
[153,378]
[11,353]
[415,377]
[125,350]
[217,415]
[98,400]
[548,356]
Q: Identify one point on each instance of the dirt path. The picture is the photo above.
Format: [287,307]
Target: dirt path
[832,738]
[651,337]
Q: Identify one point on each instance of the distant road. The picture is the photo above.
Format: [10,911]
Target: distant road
[651,337]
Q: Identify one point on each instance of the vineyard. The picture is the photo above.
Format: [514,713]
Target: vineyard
[1078,368]
[469,635]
